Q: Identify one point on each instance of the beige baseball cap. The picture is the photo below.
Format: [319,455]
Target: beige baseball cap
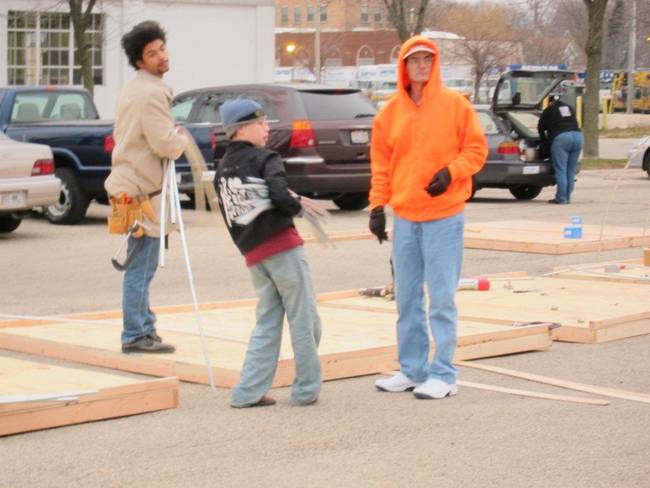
[419,48]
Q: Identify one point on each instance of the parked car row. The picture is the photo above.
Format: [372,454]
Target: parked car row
[322,133]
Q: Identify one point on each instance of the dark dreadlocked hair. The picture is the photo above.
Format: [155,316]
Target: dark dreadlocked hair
[134,41]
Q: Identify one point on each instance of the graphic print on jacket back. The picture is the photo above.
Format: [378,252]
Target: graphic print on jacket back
[242,201]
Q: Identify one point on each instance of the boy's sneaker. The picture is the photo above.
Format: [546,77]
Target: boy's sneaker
[396,383]
[148,345]
[435,389]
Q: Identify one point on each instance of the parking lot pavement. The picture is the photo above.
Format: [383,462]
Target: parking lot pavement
[354,436]
[614,148]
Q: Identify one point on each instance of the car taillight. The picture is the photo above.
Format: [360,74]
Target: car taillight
[302,135]
[109,143]
[43,167]
[213,139]
[508,147]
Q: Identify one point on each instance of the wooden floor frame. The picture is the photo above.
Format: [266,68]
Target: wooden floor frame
[119,401]
[595,331]
[335,366]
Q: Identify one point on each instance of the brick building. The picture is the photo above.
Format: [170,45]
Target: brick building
[356,33]
[333,14]
[352,33]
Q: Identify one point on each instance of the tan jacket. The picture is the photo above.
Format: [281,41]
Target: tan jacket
[145,138]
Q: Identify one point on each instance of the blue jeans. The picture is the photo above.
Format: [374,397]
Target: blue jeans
[565,151]
[138,319]
[427,252]
[283,285]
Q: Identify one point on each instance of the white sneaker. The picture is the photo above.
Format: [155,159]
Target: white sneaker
[434,388]
[396,383]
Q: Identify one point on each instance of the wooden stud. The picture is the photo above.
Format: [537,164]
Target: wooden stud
[534,394]
[571,385]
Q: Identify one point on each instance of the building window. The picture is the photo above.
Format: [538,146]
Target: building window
[378,15]
[323,13]
[40,49]
[310,13]
[284,15]
[365,56]
[364,14]
[297,14]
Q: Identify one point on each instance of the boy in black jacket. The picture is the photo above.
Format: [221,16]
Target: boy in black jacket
[258,209]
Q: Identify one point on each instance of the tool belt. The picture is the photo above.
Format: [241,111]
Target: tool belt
[126,210]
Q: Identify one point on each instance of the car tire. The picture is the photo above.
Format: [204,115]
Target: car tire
[525,192]
[9,223]
[352,201]
[646,162]
[73,202]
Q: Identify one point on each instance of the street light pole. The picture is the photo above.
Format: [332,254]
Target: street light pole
[317,19]
[317,44]
[631,65]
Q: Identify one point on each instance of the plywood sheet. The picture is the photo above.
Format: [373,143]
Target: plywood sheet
[548,237]
[36,396]
[587,311]
[354,342]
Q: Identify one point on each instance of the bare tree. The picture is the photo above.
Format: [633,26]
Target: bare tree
[486,44]
[407,16]
[594,49]
[615,57]
[543,39]
[81,19]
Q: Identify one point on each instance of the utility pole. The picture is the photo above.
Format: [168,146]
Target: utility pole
[631,65]
[317,19]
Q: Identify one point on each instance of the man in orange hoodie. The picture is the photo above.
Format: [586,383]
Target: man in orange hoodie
[426,145]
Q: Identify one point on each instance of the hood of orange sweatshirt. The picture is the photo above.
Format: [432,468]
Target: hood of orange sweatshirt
[434,85]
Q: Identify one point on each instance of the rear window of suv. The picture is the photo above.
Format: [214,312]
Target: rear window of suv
[208,110]
[337,105]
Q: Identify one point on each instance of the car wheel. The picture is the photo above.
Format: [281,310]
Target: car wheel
[646,163]
[73,202]
[352,201]
[525,192]
[9,223]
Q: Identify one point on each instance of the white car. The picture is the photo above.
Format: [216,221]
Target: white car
[639,154]
[26,180]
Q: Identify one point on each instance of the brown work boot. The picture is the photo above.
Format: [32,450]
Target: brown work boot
[147,345]
[265,401]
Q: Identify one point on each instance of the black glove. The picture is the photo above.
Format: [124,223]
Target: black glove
[439,183]
[377,224]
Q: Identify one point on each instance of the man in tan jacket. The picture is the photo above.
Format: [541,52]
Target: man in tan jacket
[146,138]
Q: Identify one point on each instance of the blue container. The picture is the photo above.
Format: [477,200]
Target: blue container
[573,232]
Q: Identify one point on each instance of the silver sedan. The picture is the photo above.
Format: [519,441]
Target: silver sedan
[639,154]
[26,180]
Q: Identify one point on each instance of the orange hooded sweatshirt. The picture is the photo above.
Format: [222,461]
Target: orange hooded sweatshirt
[411,143]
